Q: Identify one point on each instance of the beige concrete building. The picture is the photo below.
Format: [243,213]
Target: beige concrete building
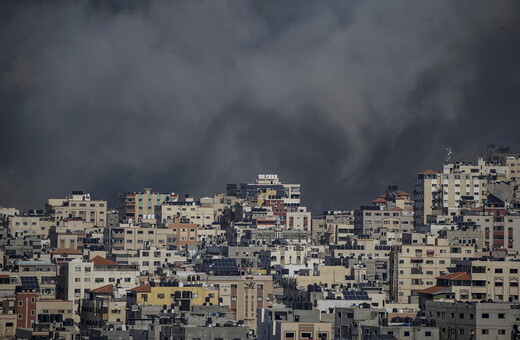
[102,306]
[187,211]
[329,275]
[287,324]
[139,205]
[299,220]
[395,220]
[7,326]
[420,264]
[78,206]
[77,277]
[425,195]
[20,226]
[244,294]
[132,237]
[491,279]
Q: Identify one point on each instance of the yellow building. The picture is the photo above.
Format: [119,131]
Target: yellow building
[181,297]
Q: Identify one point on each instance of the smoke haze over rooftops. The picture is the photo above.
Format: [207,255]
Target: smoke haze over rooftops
[187,96]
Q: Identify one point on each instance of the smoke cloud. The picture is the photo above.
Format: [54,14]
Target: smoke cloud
[186,96]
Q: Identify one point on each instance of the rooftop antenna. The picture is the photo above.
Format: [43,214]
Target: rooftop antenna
[448,155]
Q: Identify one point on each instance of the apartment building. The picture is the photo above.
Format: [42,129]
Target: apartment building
[187,211]
[244,294]
[174,295]
[287,324]
[425,195]
[20,226]
[133,237]
[102,306]
[78,205]
[267,184]
[138,205]
[420,264]
[299,219]
[466,321]
[501,227]
[491,278]
[184,234]
[77,277]
[369,218]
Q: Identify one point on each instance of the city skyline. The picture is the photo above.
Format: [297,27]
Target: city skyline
[116,98]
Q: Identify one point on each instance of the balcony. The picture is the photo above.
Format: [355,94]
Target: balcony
[416,271]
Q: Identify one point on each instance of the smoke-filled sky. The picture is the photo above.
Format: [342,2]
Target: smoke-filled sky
[344,97]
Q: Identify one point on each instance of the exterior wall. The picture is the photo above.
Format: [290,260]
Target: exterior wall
[424,200]
[495,280]
[185,234]
[62,307]
[25,304]
[166,295]
[28,225]
[244,294]
[499,227]
[483,321]
[76,277]
[8,324]
[78,206]
[369,220]
[138,205]
[419,265]
[327,275]
[189,211]
[456,185]
[132,238]
[282,255]
[299,220]
[303,330]
[149,259]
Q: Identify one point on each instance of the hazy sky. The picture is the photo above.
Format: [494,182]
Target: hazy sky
[344,97]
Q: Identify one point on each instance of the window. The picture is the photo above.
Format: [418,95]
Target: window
[20,316]
[160,296]
[306,335]
[501,316]
[289,335]
[406,333]
[485,316]
[498,270]
[485,331]
[501,331]
[513,271]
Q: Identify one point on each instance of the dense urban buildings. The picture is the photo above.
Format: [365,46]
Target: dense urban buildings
[441,262]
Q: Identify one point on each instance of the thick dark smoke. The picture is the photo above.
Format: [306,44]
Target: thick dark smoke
[186,96]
